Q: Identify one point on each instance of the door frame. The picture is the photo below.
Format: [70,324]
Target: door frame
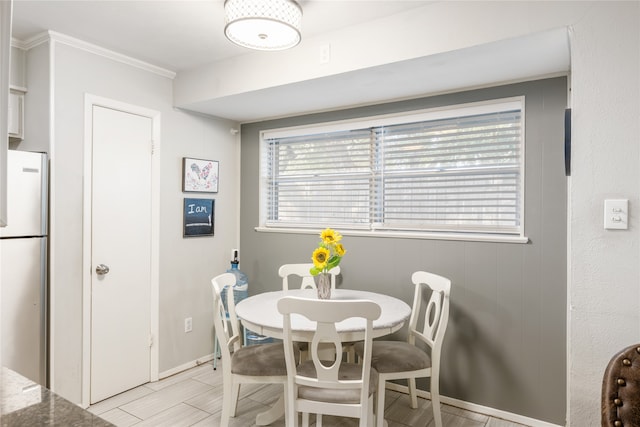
[89,102]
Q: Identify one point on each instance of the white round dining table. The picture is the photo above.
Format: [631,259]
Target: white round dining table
[259,313]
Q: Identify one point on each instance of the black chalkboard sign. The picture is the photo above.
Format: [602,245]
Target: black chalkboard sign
[198,217]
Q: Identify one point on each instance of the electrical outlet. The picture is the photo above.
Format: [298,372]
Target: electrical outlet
[188,324]
[325,53]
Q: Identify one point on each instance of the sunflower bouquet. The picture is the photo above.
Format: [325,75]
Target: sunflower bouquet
[328,253]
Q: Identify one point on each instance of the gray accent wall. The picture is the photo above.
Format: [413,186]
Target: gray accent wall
[505,347]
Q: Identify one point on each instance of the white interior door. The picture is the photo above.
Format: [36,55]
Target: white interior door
[121,241]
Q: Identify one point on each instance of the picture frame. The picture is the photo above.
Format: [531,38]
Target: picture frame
[198,217]
[200,175]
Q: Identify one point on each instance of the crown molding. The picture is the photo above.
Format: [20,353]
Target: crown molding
[18,44]
[36,40]
[91,48]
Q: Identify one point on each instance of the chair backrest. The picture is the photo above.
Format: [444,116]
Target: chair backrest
[225,322]
[326,313]
[620,399]
[435,311]
[302,271]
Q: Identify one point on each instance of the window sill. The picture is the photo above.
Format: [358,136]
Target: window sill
[463,237]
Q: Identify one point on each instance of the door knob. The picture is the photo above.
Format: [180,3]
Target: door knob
[102,269]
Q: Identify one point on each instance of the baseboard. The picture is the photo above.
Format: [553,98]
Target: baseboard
[184,367]
[485,410]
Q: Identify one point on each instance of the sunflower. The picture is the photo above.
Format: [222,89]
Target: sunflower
[329,252]
[320,257]
[330,237]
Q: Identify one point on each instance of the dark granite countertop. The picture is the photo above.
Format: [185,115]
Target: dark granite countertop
[25,403]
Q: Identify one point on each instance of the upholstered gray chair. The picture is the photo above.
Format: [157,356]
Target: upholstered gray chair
[396,360]
[261,363]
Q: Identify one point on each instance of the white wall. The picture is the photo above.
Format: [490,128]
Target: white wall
[604,286]
[186,265]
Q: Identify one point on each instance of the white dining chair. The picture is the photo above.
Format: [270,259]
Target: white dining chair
[302,273]
[396,360]
[260,363]
[329,387]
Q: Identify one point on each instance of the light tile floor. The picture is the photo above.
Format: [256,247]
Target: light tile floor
[194,398]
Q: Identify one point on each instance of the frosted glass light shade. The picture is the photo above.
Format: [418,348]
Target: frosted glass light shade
[263,24]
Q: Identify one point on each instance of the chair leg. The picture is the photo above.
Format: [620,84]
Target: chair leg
[435,400]
[224,417]
[235,393]
[290,414]
[226,406]
[380,403]
[412,393]
[368,416]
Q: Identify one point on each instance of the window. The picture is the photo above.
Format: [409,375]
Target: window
[454,170]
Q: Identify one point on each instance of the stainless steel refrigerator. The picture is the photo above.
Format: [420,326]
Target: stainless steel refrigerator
[23,267]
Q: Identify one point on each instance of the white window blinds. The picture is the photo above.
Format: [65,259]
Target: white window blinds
[458,171]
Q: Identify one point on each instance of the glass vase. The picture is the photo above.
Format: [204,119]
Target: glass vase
[323,285]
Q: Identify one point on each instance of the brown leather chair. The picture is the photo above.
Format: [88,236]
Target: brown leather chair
[621,389]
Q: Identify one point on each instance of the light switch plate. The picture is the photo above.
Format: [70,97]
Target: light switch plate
[616,214]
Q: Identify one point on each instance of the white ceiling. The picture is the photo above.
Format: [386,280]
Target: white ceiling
[177,35]
[186,34]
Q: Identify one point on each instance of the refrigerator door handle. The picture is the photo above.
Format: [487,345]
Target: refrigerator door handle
[102,269]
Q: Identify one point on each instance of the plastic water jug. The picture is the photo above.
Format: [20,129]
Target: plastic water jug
[241,287]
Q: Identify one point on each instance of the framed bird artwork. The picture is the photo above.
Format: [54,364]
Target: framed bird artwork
[199,175]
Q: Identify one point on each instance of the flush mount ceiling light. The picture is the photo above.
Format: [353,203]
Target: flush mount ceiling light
[263,24]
